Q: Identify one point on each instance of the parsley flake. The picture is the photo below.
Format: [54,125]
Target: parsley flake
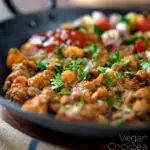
[41,64]
[57,82]
[86,71]
[93,48]
[117,75]
[145,64]
[64,93]
[128,110]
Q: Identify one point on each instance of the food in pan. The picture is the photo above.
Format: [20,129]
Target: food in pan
[96,68]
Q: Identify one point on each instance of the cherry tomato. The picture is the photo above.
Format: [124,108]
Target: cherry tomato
[104,24]
[140,46]
[143,23]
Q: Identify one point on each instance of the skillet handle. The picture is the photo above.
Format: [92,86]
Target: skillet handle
[16,12]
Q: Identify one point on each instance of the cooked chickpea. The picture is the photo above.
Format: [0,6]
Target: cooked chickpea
[101,92]
[68,76]
[14,56]
[73,52]
[141,74]
[133,64]
[21,80]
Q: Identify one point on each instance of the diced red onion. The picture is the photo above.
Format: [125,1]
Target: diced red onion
[111,37]
[114,19]
[36,40]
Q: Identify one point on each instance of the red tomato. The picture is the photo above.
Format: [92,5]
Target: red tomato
[104,24]
[140,46]
[143,23]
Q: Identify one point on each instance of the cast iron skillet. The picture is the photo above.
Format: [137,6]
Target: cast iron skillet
[16,31]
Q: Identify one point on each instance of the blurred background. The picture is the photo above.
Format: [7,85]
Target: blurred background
[28,6]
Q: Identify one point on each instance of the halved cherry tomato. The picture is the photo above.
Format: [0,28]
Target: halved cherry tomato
[104,24]
[140,46]
[143,23]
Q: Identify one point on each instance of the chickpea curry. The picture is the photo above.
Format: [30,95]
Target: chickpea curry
[96,68]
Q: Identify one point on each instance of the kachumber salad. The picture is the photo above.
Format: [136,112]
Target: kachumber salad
[96,68]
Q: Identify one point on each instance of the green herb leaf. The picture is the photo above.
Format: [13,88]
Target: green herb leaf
[41,64]
[97,30]
[61,47]
[130,73]
[117,75]
[139,56]
[110,102]
[108,79]
[145,64]
[57,82]
[67,106]
[74,65]
[101,69]
[117,56]
[64,93]
[120,122]
[126,62]
[128,110]
[116,105]
[93,48]
[77,107]
[86,71]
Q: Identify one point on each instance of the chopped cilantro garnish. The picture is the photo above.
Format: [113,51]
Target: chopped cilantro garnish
[139,56]
[128,110]
[57,64]
[59,48]
[117,75]
[97,30]
[130,73]
[116,105]
[120,122]
[41,64]
[145,64]
[74,65]
[110,102]
[116,58]
[57,82]
[126,62]
[101,69]
[93,48]
[94,57]
[108,79]
[86,71]
[67,106]
[75,107]
[64,93]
